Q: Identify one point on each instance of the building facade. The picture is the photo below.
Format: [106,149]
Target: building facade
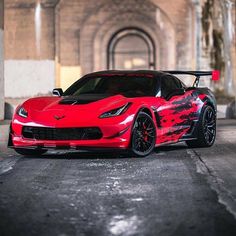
[1,60]
[52,43]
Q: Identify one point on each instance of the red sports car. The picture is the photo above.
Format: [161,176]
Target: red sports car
[131,110]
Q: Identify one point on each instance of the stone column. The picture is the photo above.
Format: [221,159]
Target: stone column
[198,45]
[1,61]
[226,6]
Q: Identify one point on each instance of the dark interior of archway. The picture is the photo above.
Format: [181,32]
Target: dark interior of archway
[131,49]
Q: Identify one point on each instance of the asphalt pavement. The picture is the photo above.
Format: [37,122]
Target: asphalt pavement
[174,191]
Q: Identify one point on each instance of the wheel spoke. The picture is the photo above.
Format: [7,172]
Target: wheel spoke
[145,146]
[149,126]
[207,136]
[211,125]
[210,133]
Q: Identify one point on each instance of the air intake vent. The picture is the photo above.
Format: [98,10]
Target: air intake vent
[43,133]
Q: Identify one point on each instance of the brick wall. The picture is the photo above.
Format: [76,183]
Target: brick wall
[29,62]
[75,36]
[20,34]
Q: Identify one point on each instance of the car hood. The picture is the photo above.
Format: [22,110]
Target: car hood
[48,110]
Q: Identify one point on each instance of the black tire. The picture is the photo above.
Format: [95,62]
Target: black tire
[206,129]
[143,137]
[30,152]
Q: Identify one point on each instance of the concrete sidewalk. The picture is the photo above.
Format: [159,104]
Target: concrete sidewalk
[221,111]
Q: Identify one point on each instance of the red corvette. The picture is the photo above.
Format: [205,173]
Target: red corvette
[131,110]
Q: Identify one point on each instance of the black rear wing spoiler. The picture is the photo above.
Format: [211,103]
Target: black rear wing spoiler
[215,74]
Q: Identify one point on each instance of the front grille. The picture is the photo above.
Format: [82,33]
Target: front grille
[43,133]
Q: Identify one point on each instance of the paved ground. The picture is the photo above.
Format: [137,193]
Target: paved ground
[175,191]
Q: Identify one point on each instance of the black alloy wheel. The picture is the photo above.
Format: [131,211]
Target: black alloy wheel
[143,138]
[206,129]
[209,126]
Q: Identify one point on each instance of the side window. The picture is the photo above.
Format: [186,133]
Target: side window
[169,84]
[178,83]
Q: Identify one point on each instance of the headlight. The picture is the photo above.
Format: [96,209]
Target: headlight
[22,112]
[116,112]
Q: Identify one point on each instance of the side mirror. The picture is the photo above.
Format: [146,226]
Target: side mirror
[179,91]
[57,92]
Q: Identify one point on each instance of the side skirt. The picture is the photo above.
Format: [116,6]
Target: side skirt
[191,135]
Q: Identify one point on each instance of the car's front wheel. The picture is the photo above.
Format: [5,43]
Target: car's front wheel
[143,137]
[206,129]
[30,152]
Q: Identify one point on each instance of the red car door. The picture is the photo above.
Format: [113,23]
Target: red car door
[174,110]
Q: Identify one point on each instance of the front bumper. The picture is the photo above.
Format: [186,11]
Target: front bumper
[20,142]
[114,136]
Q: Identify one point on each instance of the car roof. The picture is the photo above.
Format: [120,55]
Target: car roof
[148,73]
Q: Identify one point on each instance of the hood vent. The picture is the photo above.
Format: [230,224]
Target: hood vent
[82,99]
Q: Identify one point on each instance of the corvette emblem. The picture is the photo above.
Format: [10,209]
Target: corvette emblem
[59,117]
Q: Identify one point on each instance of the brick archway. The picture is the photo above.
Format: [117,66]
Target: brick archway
[124,53]
[96,34]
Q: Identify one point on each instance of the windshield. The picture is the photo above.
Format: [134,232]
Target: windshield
[129,86]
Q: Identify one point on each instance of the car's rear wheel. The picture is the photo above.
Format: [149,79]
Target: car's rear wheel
[143,138]
[30,152]
[206,129]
